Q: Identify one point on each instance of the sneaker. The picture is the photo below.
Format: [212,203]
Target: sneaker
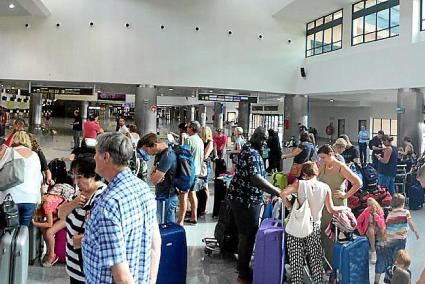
[373,257]
[49,263]
[191,222]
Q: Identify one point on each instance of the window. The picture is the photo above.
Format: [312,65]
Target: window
[324,34]
[389,126]
[422,15]
[375,20]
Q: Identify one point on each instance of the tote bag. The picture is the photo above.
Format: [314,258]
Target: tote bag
[12,171]
[299,224]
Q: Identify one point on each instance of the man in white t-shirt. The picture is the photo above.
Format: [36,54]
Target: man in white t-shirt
[197,149]
[122,128]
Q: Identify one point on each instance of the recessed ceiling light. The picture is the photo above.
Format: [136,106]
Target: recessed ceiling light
[11,5]
[331,100]
[171,89]
[210,91]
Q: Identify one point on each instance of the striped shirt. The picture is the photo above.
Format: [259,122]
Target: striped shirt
[120,230]
[75,226]
[397,225]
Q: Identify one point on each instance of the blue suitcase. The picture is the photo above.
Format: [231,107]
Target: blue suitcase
[173,261]
[416,196]
[351,261]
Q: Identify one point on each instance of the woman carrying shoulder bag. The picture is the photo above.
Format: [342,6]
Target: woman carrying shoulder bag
[303,228]
[303,153]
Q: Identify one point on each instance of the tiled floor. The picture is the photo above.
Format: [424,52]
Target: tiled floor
[201,269]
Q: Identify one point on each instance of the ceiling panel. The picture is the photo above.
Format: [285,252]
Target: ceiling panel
[17,11]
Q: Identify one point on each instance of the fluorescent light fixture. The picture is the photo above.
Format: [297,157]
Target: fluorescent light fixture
[331,100]
[11,5]
[210,91]
[171,89]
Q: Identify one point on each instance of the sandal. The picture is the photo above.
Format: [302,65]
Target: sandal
[49,262]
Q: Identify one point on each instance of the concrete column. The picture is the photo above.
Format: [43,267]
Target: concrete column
[218,115]
[243,117]
[203,112]
[35,113]
[172,114]
[144,117]
[295,111]
[410,117]
[107,113]
[192,113]
[84,109]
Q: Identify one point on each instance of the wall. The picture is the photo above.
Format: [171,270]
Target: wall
[177,55]
[321,116]
[390,63]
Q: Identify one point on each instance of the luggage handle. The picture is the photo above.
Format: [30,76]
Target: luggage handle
[273,222]
[162,199]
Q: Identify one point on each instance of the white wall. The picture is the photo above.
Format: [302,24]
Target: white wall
[321,116]
[143,53]
[385,64]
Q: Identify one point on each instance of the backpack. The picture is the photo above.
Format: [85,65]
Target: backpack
[9,214]
[357,171]
[134,163]
[184,177]
[370,178]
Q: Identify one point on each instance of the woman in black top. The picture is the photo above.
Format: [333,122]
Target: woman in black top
[275,151]
[351,154]
[77,127]
[303,153]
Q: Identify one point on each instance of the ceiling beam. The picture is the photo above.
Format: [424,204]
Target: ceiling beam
[36,8]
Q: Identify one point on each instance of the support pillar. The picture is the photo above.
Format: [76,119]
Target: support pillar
[35,113]
[410,117]
[243,117]
[218,115]
[146,101]
[295,111]
[84,109]
[107,113]
[192,113]
[203,112]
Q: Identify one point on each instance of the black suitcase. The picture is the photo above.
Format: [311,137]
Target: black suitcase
[226,232]
[14,256]
[35,245]
[202,201]
[220,191]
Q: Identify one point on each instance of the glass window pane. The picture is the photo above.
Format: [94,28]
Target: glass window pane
[370,3]
[319,39]
[310,25]
[328,19]
[393,126]
[327,48]
[386,127]
[319,22]
[395,16]
[327,36]
[318,51]
[358,26]
[381,1]
[376,125]
[338,15]
[370,23]
[358,6]
[337,33]
[383,34]
[358,39]
[336,45]
[310,41]
[370,37]
[395,31]
[383,19]
[423,9]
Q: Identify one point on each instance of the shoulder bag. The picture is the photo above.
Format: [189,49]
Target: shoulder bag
[300,224]
[12,171]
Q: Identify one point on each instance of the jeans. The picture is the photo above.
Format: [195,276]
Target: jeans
[246,219]
[76,137]
[25,213]
[171,205]
[388,182]
[363,153]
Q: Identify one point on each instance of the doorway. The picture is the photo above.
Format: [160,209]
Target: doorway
[341,127]
[362,123]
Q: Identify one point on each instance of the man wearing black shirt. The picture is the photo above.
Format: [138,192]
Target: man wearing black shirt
[376,146]
[77,127]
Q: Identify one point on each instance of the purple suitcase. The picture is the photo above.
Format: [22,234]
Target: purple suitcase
[269,258]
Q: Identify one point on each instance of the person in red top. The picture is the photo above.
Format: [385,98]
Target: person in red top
[18,125]
[220,140]
[91,129]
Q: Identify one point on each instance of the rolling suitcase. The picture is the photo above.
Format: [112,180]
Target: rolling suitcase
[416,196]
[351,261]
[220,190]
[60,245]
[202,201]
[269,258]
[14,249]
[35,245]
[173,261]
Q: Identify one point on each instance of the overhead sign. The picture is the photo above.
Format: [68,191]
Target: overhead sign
[111,97]
[226,98]
[61,91]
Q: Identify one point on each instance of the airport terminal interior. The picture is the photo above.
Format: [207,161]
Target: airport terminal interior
[334,66]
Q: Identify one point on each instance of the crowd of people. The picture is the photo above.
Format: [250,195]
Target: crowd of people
[111,216]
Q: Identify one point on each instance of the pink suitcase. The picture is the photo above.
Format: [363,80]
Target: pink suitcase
[60,245]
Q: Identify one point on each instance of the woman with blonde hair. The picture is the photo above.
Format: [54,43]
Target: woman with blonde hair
[35,146]
[207,138]
[27,194]
[350,154]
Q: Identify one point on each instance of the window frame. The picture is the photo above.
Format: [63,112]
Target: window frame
[422,19]
[380,119]
[322,28]
[375,9]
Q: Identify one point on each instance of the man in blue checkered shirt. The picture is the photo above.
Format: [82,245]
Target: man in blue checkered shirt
[122,243]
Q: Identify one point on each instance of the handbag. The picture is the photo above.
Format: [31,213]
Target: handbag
[295,170]
[9,214]
[12,172]
[300,224]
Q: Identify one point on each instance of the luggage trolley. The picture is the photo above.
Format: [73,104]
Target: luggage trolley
[401,179]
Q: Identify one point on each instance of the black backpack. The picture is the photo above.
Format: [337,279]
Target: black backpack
[9,214]
[370,178]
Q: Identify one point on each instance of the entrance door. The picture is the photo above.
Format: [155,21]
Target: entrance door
[341,127]
[362,123]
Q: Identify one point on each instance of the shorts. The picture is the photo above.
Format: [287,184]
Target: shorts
[383,258]
[197,185]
